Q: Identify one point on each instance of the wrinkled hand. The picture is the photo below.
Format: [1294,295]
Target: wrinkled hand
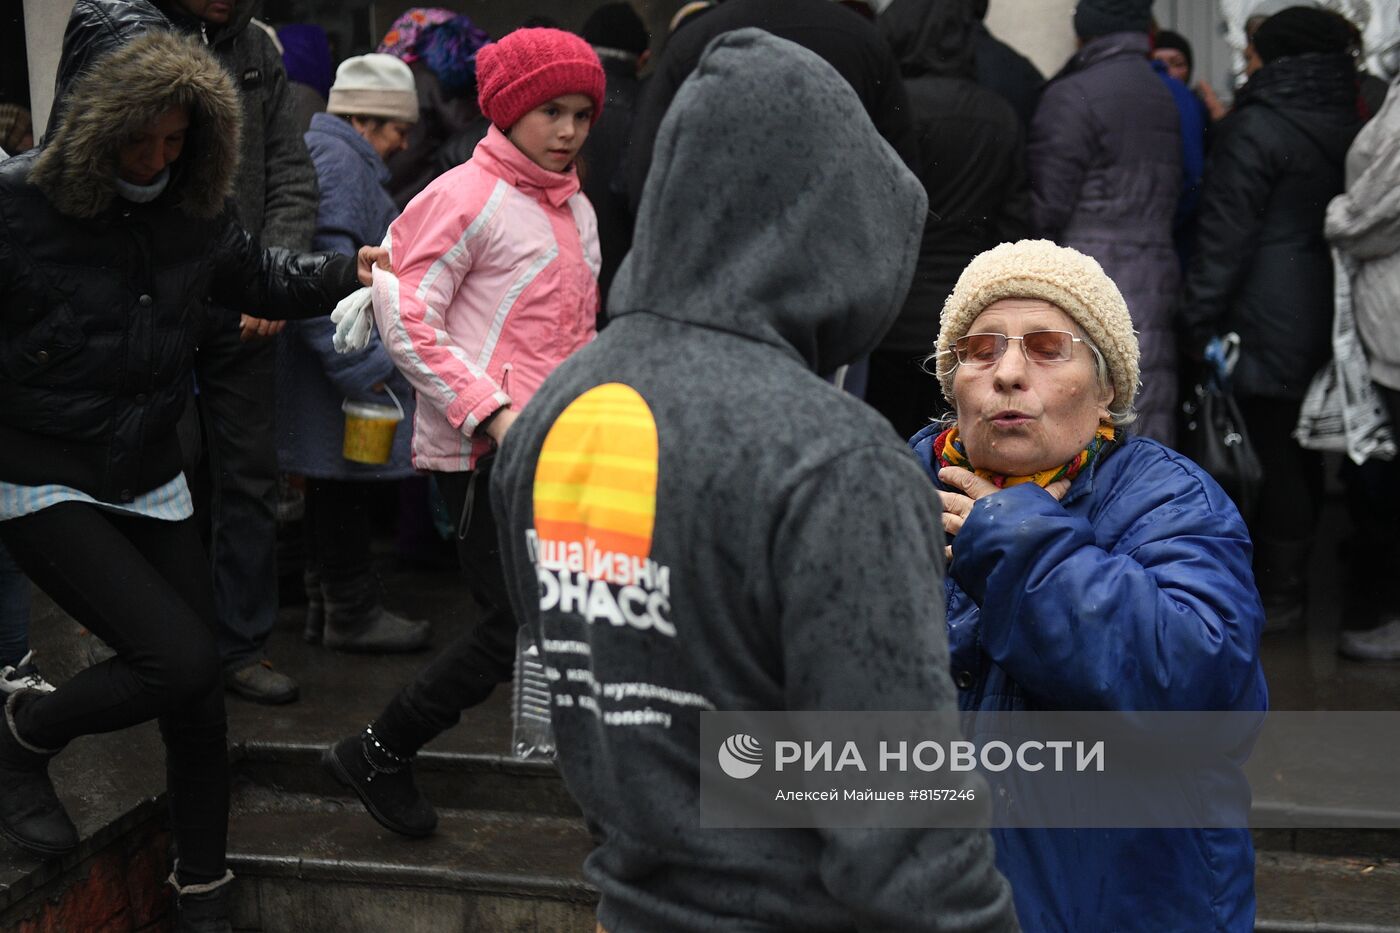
[499,424]
[256,328]
[366,259]
[958,505]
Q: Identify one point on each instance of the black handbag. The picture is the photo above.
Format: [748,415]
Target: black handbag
[1214,435]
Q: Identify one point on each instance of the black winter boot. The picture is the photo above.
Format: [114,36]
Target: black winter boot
[31,815]
[202,908]
[355,621]
[1281,572]
[383,781]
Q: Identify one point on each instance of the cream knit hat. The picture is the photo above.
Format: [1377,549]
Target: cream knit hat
[1057,274]
[374,85]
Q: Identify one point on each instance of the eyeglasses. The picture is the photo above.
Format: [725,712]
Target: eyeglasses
[1038,346]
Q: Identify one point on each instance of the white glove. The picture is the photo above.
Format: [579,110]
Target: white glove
[353,320]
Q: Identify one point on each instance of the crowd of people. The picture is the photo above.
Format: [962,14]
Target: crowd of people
[835,364]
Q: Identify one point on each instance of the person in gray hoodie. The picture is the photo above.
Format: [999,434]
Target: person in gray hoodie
[764,541]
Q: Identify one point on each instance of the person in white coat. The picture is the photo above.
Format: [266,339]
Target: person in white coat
[1363,223]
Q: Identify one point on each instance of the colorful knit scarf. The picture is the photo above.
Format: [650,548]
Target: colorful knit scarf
[948,449]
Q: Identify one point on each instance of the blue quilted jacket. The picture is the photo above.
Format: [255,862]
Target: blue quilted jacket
[1132,593]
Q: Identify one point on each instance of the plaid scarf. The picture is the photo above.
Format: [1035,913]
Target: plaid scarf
[948,449]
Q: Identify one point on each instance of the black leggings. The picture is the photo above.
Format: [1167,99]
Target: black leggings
[142,585]
[483,656]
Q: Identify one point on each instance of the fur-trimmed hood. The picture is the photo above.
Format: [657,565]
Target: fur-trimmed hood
[126,90]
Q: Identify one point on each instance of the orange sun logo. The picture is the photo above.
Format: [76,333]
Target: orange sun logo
[595,483]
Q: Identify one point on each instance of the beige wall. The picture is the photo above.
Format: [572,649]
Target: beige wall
[1041,30]
[43,32]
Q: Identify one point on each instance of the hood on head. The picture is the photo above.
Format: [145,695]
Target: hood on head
[96,27]
[1314,93]
[931,37]
[122,92]
[773,208]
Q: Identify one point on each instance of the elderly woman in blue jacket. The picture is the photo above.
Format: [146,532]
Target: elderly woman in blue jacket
[373,105]
[1091,570]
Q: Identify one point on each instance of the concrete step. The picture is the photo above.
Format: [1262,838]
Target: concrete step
[450,779]
[307,862]
[1301,893]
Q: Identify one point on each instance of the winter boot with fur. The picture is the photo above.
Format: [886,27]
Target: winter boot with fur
[356,621]
[383,781]
[31,815]
[202,908]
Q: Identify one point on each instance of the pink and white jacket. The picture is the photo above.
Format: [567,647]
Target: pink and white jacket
[495,283]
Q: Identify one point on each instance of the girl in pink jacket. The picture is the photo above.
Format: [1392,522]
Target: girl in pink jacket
[494,285]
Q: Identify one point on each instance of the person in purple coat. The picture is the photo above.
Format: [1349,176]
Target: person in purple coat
[1105,168]
[372,108]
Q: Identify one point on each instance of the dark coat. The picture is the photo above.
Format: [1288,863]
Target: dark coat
[971,156]
[847,41]
[276,194]
[1134,592]
[1261,266]
[312,378]
[603,160]
[102,299]
[1105,165]
[1010,74]
[441,116]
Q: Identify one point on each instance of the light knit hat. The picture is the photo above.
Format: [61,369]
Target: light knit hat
[374,85]
[528,67]
[1062,276]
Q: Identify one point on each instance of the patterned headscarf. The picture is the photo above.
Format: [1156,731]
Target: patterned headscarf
[449,50]
[401,40]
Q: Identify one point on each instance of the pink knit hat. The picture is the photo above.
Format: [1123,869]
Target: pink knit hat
[530,66]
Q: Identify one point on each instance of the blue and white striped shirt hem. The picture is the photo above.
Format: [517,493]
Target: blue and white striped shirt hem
[168,503]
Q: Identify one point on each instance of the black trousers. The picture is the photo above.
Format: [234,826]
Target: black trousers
[1373,502]
[238,506]
[1290,500]
[337,529]
[142,585]
[484,656]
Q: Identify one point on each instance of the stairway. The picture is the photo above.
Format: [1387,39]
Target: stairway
[506,857]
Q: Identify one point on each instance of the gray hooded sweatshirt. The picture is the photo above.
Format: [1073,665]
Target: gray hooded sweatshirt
[691,519]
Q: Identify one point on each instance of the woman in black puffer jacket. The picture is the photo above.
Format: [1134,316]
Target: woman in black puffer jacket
[1262,269]
[112,237]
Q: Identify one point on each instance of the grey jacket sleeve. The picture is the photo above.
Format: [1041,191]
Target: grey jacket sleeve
[858,554]
[289,209]
[1364,222]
